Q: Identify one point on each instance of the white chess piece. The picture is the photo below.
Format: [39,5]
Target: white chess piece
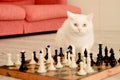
[59,65]
[32,59]
[84,62]
[18,62]
[69,60]
[89,69]
[9,62]
[42,67]
[51,67]
[65,58]
[73,62]
[81,71]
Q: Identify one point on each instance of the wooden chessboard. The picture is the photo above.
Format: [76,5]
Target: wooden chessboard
[65,73]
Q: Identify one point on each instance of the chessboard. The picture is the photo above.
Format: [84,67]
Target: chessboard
[62,66]
[65,73]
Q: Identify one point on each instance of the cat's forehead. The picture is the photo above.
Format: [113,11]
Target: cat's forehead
[80,18]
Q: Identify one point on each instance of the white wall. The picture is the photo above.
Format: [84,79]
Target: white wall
[107,12]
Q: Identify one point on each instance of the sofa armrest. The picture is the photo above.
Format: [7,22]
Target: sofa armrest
[46,2]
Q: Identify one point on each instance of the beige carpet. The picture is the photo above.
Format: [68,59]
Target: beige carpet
[37,42]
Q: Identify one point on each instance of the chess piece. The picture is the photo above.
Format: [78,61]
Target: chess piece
[61,53]
[46,56]
[49,55]
[113,61]
[55,56]
[99,60]
[81,72]
[85,53]
[18,62]
[9,62]
[65,58]
[23,66]
[88,68]
[100,52]
[32,59]
[106,57]
[73,63]
[79,58]
[84,62]
[51,67]
[35,58]
[92,60]
[42,67]
[69,60]
[59,65]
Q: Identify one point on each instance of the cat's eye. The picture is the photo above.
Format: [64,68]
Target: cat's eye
[75,24]
[84,25]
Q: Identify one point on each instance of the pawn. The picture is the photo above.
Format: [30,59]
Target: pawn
[81,72]
[42,67]
[52,67]
[89,69]
[32,59]
[18,62]
[9,62]
[59,65]
[84,62]
[73,63]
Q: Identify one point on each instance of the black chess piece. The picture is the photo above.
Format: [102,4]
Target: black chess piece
[61,52]
[46,56]
[79,58]
[113,61]
[70,48]
[35,58]
[106,57]
[67,54]
[23,66]
[99,60]
[85,53]
[92,60]
[55,56]
[100,51]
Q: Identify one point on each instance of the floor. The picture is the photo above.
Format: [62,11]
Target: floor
[36,42]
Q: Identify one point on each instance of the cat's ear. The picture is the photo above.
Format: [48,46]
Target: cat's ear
[70,14]
[90,16]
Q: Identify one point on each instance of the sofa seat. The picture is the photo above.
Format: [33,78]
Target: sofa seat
[44,12]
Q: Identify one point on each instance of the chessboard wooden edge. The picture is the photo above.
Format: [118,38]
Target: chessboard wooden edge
[24,75]
[103,74]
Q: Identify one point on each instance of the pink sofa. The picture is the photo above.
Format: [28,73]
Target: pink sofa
[32,16]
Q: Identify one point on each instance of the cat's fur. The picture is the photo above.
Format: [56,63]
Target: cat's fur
[77,30]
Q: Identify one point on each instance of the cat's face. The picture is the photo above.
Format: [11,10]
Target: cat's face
[80,24]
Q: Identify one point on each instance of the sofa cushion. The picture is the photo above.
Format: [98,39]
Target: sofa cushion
[11,12]
[42,12]
[17,2]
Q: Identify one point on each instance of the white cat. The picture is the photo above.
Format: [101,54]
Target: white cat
[77,30]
